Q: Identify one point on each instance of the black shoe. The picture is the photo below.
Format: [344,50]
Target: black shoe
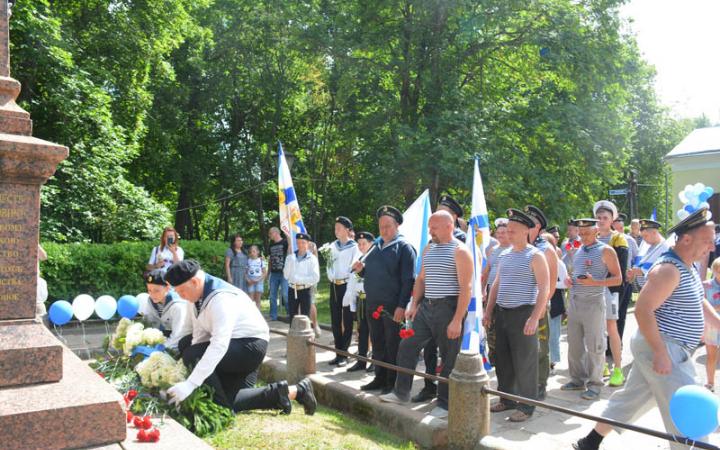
[386,390]
[306,396]
[335,361]
[284,402]
[582,444]
[425,395]
[374,385]
[371,368]
[342,361]
[358,366]
[542,393]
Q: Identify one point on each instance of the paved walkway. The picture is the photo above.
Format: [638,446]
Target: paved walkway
[546,429]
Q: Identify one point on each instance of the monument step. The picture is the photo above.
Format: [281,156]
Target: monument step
[29,354]
[79,411]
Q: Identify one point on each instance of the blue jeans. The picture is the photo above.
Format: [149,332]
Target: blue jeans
[277,281]
[555,326]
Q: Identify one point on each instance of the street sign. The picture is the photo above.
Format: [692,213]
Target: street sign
[618,191]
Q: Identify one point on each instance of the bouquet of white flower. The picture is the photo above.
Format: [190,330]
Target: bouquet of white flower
[160,370]
[326,252]
[129,335]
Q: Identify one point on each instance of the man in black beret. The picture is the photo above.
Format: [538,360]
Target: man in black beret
[449,204]
[655,246]
[535,236]
[344,251]
[671,313]
[228,343]
[517,300]
[389,275]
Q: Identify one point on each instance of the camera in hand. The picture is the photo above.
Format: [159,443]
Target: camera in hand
[582,277]
[170,240]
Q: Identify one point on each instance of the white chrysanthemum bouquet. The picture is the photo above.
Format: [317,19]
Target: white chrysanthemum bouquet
[129,335]
[160,370]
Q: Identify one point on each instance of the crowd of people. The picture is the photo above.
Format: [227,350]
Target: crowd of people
[532,282]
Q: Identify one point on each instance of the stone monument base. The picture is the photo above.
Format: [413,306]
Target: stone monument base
[79,410]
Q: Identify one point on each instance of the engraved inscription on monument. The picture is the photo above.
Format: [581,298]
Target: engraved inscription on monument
[18,250]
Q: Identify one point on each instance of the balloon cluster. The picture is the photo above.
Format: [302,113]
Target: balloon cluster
[694,197]
[105,307]
[695,411]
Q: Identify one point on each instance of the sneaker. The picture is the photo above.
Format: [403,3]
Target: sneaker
[519,416]
[582,444]
[306,396]
[572,387]
[710,387]
[318,331]
[606,371]
[425,395]
[590,395]
[439,413]
[392,398]
[358,366]
[617,378]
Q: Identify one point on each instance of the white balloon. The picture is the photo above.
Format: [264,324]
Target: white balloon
[142,298]
[105,306]
[704,205]
[83,306]
[682,214]
[683,197]
[698,188]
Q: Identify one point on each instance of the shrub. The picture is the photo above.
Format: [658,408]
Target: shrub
[114,269]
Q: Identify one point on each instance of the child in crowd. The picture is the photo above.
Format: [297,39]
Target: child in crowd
[712,335]
[255,275]
[165,310]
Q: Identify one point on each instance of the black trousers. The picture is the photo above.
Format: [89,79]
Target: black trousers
[516,356]
[302,301]
[236,371]
[625,297]
[385,338]
[341,317]
[363,327]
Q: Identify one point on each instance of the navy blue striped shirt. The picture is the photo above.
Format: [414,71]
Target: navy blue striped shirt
[681,315]
[518,286]
[588,260]
[440,270]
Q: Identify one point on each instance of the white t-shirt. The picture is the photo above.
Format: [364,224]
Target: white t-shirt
[166,256]
[255,268]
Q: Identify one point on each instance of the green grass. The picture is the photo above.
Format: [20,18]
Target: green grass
[327,429]
[322,301]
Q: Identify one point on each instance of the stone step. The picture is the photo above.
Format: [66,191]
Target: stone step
[29,354]
[80,410]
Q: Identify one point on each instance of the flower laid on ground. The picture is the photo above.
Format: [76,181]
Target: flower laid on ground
[160,370]
[129,335]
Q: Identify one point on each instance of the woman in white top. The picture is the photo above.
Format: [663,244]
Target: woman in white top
[302,271]
[167,253]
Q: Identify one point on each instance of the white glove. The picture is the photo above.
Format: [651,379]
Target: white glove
[180,391]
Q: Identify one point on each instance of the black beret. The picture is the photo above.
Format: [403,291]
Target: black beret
[621,217]
[694,220]
[588,222]
[303,236]
[452,204]
[536,213]
[553,229]
[515,215]
[571,222]
[182,271]
[647,223]
[155,277]
[344,221]
[365,235]
[390,211]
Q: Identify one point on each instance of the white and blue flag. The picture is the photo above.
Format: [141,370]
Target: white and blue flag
[415,226]
[290,218]
[477,240]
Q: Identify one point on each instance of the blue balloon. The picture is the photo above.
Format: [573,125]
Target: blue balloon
[127,306]
[703,196]
[689,208]
[694,410]
[60,312]
[709,191]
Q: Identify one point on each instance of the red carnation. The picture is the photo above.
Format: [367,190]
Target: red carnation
[716,296]
[380,309]
[402,334]
[147,422]
[376,315]
[410,332]
[568,246]
[100,374]
[142,436]
[577,244]
[130,416]
[138,422]
[154,435]
[132,393]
